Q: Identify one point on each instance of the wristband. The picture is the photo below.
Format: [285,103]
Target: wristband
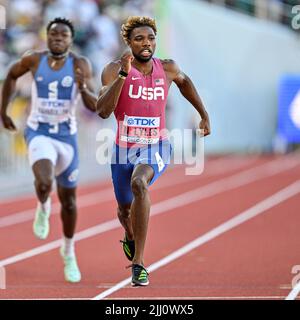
[122,77]
[84,86]
[123,74]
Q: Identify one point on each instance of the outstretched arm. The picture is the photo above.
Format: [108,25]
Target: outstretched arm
[83,76]
[112,85]
[15,71]
[188,90]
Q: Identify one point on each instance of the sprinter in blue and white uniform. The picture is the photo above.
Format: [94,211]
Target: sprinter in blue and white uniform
[60,76]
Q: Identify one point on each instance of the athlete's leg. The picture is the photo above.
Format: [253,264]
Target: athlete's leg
[121,176]
[67,198]
[43,173]
[66,180]
[140,208]
[125,219]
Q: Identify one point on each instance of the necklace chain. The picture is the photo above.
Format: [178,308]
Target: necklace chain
[57,58]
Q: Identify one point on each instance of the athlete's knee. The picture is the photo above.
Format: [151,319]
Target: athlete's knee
[69,205]
[44,185]
[139,187]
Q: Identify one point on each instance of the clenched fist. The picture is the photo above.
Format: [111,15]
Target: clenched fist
[8,123]
[126,60]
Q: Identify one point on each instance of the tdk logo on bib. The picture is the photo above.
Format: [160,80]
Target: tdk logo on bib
[52,103]
[146,93]
[147,122]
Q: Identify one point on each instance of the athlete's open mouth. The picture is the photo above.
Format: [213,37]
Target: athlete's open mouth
[146,53]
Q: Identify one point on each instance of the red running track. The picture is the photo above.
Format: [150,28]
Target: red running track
[250,259]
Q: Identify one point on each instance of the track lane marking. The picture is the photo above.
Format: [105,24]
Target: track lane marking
[294,293]
[105,195]
[99,185]
[259,208]
[211,189]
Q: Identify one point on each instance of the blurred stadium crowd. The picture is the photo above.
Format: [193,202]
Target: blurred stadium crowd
[97,25]
[96,22]
[276,10]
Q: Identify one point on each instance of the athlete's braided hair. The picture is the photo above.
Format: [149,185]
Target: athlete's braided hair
[135,22]
[63,21]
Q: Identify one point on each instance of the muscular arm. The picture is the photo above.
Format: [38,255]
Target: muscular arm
[112,85]
[111,89]
[83,74]
[188,90]
[18,69]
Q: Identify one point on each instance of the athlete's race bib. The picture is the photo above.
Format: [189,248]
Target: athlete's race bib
[49,110]
[140,130]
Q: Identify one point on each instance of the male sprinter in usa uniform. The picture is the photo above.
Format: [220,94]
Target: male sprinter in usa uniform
[135,89]
[59,75]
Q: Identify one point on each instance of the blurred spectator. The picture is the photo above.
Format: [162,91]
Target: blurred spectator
[275,10]
[104,44]
[97,24]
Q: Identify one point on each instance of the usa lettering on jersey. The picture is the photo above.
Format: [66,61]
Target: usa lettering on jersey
[146,93]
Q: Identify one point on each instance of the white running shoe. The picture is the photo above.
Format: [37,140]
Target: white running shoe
[41,221]
[71,270]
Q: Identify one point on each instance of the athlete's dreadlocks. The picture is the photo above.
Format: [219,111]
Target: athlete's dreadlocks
[63,21]
[135,22]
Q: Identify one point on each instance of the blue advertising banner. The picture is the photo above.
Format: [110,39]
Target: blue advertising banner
[289,108]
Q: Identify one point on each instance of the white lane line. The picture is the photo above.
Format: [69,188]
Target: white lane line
[108,195]
[87,233]
[294,293]
[225,184]
[250,213]
[202,298]
[29,299]
[170,298]
[83,201]
[211,189]
[216,163]
[218,167]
